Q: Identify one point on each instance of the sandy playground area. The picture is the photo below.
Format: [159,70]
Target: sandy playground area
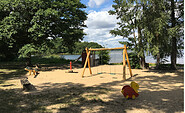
[160,91]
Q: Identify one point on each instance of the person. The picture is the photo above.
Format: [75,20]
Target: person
[83,56]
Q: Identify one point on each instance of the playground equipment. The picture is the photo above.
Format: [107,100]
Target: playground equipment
[35,70]
[88,51]
[130,92]
[70,71]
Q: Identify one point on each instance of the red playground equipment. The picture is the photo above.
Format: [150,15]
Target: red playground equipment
[130,92]
[70,70]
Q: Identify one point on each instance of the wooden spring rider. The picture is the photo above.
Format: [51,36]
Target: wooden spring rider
[88,51]
[29,69]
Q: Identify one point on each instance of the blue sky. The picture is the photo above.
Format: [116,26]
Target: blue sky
[99,23]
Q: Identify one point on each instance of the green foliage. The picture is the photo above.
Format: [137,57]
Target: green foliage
[104,57]
[134,60]
[159,25]
[80,46]
[27,50]
[38,22]
[130,14]
[50,59]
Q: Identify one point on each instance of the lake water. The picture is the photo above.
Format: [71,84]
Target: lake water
[117,57]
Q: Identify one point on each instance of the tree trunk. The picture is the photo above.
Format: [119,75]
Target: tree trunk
[29,60]
[158,54]
[142,57]
[174,40]
[158,60]
[142,63]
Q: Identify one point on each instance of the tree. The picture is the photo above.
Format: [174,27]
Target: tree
[39,21]
[176,28]
[159,25]
[27,51]
[155,29]
[80,46]
[165,28]
[130,14]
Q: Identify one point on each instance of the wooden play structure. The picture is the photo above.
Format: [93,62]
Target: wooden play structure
[88,51]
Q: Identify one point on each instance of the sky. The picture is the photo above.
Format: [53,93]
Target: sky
[99,23]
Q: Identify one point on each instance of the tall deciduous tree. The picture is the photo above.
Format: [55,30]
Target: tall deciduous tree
[155,29]
[176,9]
[130,14]
[36,22]
[159,24]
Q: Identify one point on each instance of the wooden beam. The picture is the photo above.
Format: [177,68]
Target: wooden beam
[99,49]
[85,63]
[87,51]
[124,65]
[128,63]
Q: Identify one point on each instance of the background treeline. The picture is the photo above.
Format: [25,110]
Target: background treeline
[154,27]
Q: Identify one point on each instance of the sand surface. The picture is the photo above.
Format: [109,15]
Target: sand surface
[159,92]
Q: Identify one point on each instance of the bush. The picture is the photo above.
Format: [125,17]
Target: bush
[134,60]
[104,57]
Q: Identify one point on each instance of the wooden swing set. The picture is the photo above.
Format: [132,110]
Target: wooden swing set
[87,61]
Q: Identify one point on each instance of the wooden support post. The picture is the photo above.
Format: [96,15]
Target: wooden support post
[86,62]
[124,75]
[87,51]
[128,63]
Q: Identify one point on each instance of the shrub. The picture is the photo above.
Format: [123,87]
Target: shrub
[104,57]
[134,60]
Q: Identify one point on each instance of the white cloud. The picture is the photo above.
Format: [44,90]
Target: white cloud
[99,20]
[93,3]
[99,25]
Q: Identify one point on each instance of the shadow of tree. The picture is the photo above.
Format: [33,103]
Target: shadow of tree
[157,94]
[16,73]
[68,97]
[16,70]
